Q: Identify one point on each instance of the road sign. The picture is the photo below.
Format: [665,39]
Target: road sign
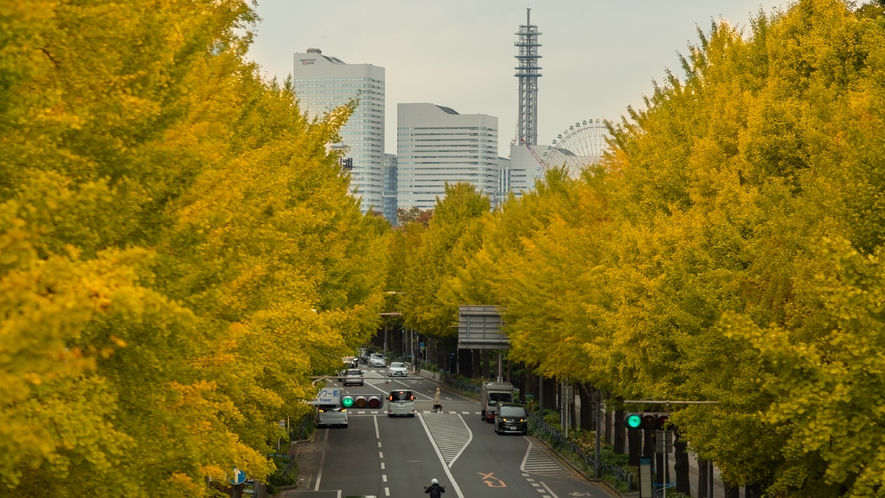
[328,397]
[239,477]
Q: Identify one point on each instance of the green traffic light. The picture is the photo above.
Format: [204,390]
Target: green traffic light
[347,402]
[634,421]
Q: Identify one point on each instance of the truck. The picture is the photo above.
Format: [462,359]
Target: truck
[494,393]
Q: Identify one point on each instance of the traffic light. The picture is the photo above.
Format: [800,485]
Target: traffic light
[373,401]
[633,420]
[647,420]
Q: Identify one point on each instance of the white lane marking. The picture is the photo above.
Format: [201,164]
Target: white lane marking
[549,490]
[386,491]
[382,466]
[377,434]
[536,462]
[441,459]
[319,475]
[384,477]
[380,454]
[379,442]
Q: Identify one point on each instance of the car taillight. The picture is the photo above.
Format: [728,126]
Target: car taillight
[322,411]
[390,398]
[411,398]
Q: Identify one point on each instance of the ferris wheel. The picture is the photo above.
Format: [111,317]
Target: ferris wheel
[579,146]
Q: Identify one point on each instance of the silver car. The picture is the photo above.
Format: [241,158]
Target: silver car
[401,403]
[397,369]
[331,415]
[377,360]
[351,376]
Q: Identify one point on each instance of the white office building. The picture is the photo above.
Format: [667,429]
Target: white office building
[523,170]
[435,144]
[323,83]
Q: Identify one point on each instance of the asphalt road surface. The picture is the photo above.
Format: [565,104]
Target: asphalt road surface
[397,457]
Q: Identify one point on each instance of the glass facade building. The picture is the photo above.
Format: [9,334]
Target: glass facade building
[323,83]
[390,172]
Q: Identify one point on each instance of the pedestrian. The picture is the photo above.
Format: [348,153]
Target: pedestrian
[437,407]
[435,490]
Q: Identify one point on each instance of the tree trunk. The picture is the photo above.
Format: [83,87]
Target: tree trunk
[635,446]
[477,363]
[586,415]
[703,467]
[683,483]
[732,491]
[549,386]
[485,365]
[464,362]
[608,430]
[619,431]
[752,491]
[648,445]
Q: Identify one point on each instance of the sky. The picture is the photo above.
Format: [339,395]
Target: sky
[597,58]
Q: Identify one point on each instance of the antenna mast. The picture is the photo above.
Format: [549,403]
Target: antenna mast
[528,73]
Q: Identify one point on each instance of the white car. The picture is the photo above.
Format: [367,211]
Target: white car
[377,360]
[397,369]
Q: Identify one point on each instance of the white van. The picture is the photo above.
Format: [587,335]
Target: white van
[401,403]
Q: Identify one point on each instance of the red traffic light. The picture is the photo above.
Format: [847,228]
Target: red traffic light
[663,420]
[375,402]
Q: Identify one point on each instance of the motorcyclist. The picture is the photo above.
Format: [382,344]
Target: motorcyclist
[435,490]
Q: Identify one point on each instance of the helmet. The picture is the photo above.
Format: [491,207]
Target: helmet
[434,481]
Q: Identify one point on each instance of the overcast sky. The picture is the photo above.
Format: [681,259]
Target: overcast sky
[597,57]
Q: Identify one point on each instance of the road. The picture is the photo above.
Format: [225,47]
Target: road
[397,457]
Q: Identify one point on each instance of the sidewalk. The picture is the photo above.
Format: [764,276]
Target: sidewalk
[718,487]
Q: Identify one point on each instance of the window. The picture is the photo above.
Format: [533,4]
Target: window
[495,398]
[401,396]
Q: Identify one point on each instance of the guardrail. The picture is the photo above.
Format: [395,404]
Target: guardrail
[538,427]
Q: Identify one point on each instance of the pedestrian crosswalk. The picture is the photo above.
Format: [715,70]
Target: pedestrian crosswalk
[450,434]
[537,461]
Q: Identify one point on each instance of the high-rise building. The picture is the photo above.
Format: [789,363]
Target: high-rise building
[390,168]
[435,144]
[323,83]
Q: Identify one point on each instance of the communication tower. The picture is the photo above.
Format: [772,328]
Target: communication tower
[528,73]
